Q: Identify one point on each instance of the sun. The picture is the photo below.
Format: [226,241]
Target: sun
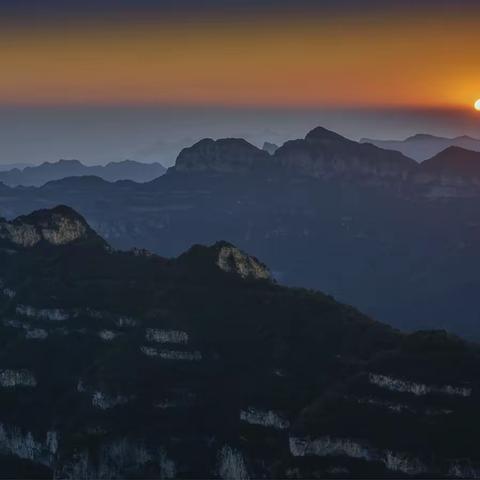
[477,105]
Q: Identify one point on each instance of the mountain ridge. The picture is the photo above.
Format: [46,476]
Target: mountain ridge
[223,155]
[51,171]
[424,146]
[323,153]
[322,232]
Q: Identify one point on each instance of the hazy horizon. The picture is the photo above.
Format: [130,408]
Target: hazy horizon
[98,135]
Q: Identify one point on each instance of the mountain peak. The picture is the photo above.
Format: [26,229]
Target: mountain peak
[467,137]
[455,161]
[77,182]
[57,226]
[227,257]
[455,149]
[226,155]
[454,155]
[423,136]
[321,134]
[67,161]
[61,163]
[233,260]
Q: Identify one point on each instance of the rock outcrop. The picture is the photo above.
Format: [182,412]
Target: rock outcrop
[231,464]
[58,226]
[166,336]
[17,378]
[171,354]
[264,418]
[419,389]
[232,260]
[346,447]
[228,258]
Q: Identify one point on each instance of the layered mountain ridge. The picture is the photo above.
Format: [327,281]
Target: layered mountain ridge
[326,155]
[424,146]
[125,364]
[321,154]
[323,214]
[114,171]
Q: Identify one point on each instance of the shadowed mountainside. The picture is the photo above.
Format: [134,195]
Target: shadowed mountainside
[125,364]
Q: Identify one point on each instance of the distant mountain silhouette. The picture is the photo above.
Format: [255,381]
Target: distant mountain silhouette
[321,154]
[453,172]
[423,146]
[10,166]
[326,154]
[46,172]
[234,155]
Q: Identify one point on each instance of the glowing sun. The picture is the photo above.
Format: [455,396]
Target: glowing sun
[477,105]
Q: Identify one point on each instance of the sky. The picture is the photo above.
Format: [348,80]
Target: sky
[79,61]
[240,53]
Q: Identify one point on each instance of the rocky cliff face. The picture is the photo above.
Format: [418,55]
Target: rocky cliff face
[325,154]
[229,155]
[58,226]
[322,154]
[229,259]
[232,260]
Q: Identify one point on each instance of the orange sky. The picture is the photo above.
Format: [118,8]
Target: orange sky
[389,60]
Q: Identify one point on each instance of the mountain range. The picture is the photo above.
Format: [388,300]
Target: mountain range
[327,156]
[11,166]
[114,171]
[125,364]
[369,226]
[423,146]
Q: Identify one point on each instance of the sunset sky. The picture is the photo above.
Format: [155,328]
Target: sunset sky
[103,80]
[240,53]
